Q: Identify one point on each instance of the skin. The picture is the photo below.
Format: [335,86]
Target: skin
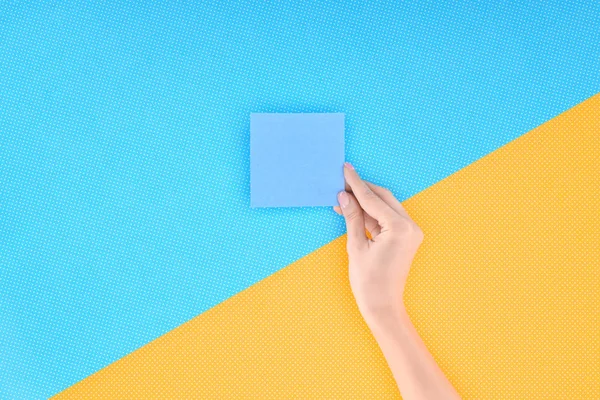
[378,268]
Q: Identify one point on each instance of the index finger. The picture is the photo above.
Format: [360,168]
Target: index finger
[367,198]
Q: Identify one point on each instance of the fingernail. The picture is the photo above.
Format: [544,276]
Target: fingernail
[343,199]
[348,165]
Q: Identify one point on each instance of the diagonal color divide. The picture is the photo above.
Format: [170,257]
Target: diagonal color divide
[124,144]
[504,291]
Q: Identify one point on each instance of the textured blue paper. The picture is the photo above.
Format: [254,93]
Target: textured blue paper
[296,159]
[124,144]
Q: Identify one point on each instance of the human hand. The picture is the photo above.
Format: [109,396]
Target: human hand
[378,267]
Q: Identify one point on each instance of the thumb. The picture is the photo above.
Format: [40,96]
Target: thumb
[355,220]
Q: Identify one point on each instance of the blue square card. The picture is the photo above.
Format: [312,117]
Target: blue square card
[296,159]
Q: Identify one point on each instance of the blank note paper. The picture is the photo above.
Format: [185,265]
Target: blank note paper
[296,159]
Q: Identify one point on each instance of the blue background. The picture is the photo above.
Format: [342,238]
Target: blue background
[124,148]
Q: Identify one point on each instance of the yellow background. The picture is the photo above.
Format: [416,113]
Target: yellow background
[505,292]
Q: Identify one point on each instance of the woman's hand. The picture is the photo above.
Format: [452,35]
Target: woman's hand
[378,266]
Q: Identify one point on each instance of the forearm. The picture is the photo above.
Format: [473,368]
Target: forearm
[416,372]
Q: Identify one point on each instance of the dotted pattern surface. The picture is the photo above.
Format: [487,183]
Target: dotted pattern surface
[504,291]
[124,171]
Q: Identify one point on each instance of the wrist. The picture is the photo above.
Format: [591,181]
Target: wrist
[391,315]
